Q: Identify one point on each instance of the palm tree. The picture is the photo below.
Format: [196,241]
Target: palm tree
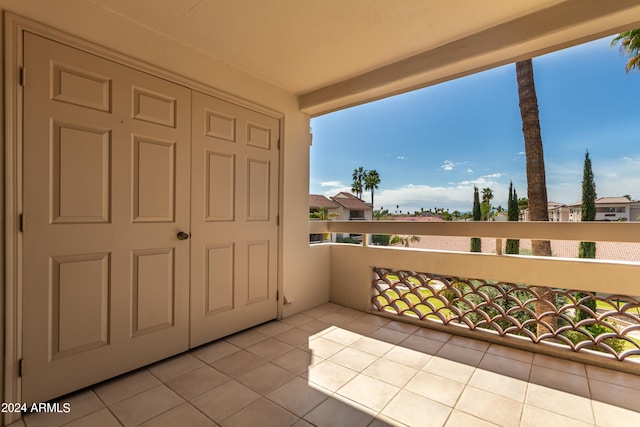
[404,239]
[630,46]
[536,181]
[371,181]
[358,178]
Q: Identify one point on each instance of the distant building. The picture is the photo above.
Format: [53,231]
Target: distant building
[341,207]
[607,209]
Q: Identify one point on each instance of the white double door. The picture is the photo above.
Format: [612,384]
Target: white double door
[150,219]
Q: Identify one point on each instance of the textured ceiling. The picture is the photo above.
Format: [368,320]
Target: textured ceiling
[301,45]
[335,53]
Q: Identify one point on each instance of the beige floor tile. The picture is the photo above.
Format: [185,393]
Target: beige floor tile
[407,328]
[146,405]
[342,336]
[81,403]
[316,312]
[263,413]
[614,377]
[559,380]
[432,334]
[272,328]
[353,359]
[265,378]
[374,319]
[337,318]
[469,343]
[175,366]
[389,335]
[225,400]
[362,327]
[209,353]
[297,396]
[297,361]
[324,348]
[607,415]
[462,419]
[369,392]
[346,311]
[330,375]
[238,363]
[246,338]
[195,383]
[558,364]
[125,386]
[372,346]
[511,353]
[456,371]
[315,326]
[536,417]
[334,412]
[101,418]
[384,421]
[295,337]
[332,306]
[415,410]
[436,388]
[464,355]
[407,357]
[182,415]
[297,319]
[490,407]
[424,345]
[269,348]
[509,367]
[559,402]
[391,372]
[301,423]
[499,384]
[615,394]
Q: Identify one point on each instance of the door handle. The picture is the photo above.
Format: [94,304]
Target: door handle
[182,235]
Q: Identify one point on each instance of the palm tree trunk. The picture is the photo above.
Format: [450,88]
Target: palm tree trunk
[536,182]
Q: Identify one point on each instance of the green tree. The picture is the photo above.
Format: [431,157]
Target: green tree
[513,214]
[536,180]
[371,181]
[588,249]
[629,46]
[476,243]
[381,213]
[358,181]
[485,206]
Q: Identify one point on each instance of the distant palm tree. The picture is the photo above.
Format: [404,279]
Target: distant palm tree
[630,46]
[404,239]
[358,179]
[371,181]
[536,181]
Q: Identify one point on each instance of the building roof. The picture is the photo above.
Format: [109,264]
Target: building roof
[351,202]
[605,200]
[319,201]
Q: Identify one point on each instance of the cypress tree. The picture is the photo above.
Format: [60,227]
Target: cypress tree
[513,214]
[476,243]
[588,249]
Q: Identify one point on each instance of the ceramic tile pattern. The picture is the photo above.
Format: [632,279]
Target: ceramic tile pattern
[332,366]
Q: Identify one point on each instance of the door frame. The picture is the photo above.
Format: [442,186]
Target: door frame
[11,179]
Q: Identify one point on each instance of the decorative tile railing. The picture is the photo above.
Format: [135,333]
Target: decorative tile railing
[580,320]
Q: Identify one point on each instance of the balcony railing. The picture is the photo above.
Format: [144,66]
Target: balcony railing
[591,308]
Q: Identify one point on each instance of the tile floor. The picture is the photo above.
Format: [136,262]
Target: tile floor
[332,366]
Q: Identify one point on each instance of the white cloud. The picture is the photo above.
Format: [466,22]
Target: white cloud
[448,165]
[469,170]
[400,157]
[331,184]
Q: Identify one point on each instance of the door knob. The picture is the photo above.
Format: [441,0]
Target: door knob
[182,235]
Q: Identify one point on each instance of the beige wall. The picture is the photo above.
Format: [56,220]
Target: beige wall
[97,25]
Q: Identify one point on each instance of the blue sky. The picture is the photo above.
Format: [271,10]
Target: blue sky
[433,145]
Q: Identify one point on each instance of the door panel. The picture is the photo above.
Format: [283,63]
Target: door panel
[105,190]
[234,218]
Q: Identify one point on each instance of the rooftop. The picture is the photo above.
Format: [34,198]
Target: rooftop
[332,365]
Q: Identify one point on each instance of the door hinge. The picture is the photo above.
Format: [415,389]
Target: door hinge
[20,367]
[278,220]
[23,223]
[23,76]
[278,143]
[277,295]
